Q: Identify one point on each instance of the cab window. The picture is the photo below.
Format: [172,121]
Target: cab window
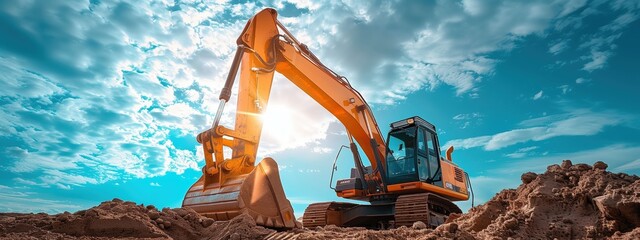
[401,155]
[435,172]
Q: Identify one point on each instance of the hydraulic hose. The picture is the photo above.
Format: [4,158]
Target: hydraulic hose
[471,188]
[334,168]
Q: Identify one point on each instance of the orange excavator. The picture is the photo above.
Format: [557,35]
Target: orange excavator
[406,181]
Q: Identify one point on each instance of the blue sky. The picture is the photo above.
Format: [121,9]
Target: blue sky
[103,99]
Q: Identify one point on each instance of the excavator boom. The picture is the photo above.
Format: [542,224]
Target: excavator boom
[233,185]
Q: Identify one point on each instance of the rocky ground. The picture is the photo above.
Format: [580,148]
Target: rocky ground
[566,202]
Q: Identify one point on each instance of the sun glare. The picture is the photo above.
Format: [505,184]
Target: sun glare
[278,119]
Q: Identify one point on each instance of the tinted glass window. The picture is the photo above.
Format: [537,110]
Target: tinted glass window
[422,145]
[434,163]
[401,152]
[423,164]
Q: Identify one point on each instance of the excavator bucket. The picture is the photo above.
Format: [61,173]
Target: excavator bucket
[259,194]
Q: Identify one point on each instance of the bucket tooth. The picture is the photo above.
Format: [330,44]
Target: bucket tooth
[260,220]
[279,223]
[240,203]
[258,193]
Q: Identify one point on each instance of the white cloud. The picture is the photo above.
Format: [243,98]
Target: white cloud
[565,89]
[468,142]
[105,85]
[300,4]
[601,47]
[474,7]
[621,21]
[598,59]
[628,166]
[467,116]
[581,80]
[559,47]
[522,152]
[24,181]
[64,180]
[145,86]
[572,5]
[516,136]
[537,95]
[466,119]
[184,159]
[17,200]
[516,155]
[619,157]
[16,83]
[321,150]
[193,95]
[422,44]
[527,149]
[33,161]
[305,201]
[597,46]
[154,184]
[579,122]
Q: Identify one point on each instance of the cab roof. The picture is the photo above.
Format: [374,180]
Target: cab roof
[412,121]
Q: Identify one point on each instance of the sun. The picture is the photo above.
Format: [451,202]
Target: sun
[278,119]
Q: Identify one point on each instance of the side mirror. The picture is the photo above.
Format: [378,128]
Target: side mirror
[449,152]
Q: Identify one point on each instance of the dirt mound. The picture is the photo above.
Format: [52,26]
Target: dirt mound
[120,219]
[566,202]
[447,231]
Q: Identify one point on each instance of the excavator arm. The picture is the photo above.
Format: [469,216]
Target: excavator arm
[264,47]
[267,46]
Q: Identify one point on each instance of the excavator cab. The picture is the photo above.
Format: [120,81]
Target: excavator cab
[413,152]
[412,156]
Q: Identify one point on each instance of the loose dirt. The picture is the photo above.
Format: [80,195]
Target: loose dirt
[566,202]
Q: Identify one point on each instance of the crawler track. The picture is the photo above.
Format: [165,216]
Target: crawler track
[316,215]
[426,207]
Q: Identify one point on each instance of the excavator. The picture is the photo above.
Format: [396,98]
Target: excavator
[406,180]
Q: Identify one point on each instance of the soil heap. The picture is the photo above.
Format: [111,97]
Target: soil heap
[566,202]
[126,220]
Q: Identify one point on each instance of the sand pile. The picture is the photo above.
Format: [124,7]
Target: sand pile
[120,219]
[447,231]
[566,202]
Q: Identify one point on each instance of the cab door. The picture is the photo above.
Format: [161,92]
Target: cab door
[428,160]
[401,156]
[423,157]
